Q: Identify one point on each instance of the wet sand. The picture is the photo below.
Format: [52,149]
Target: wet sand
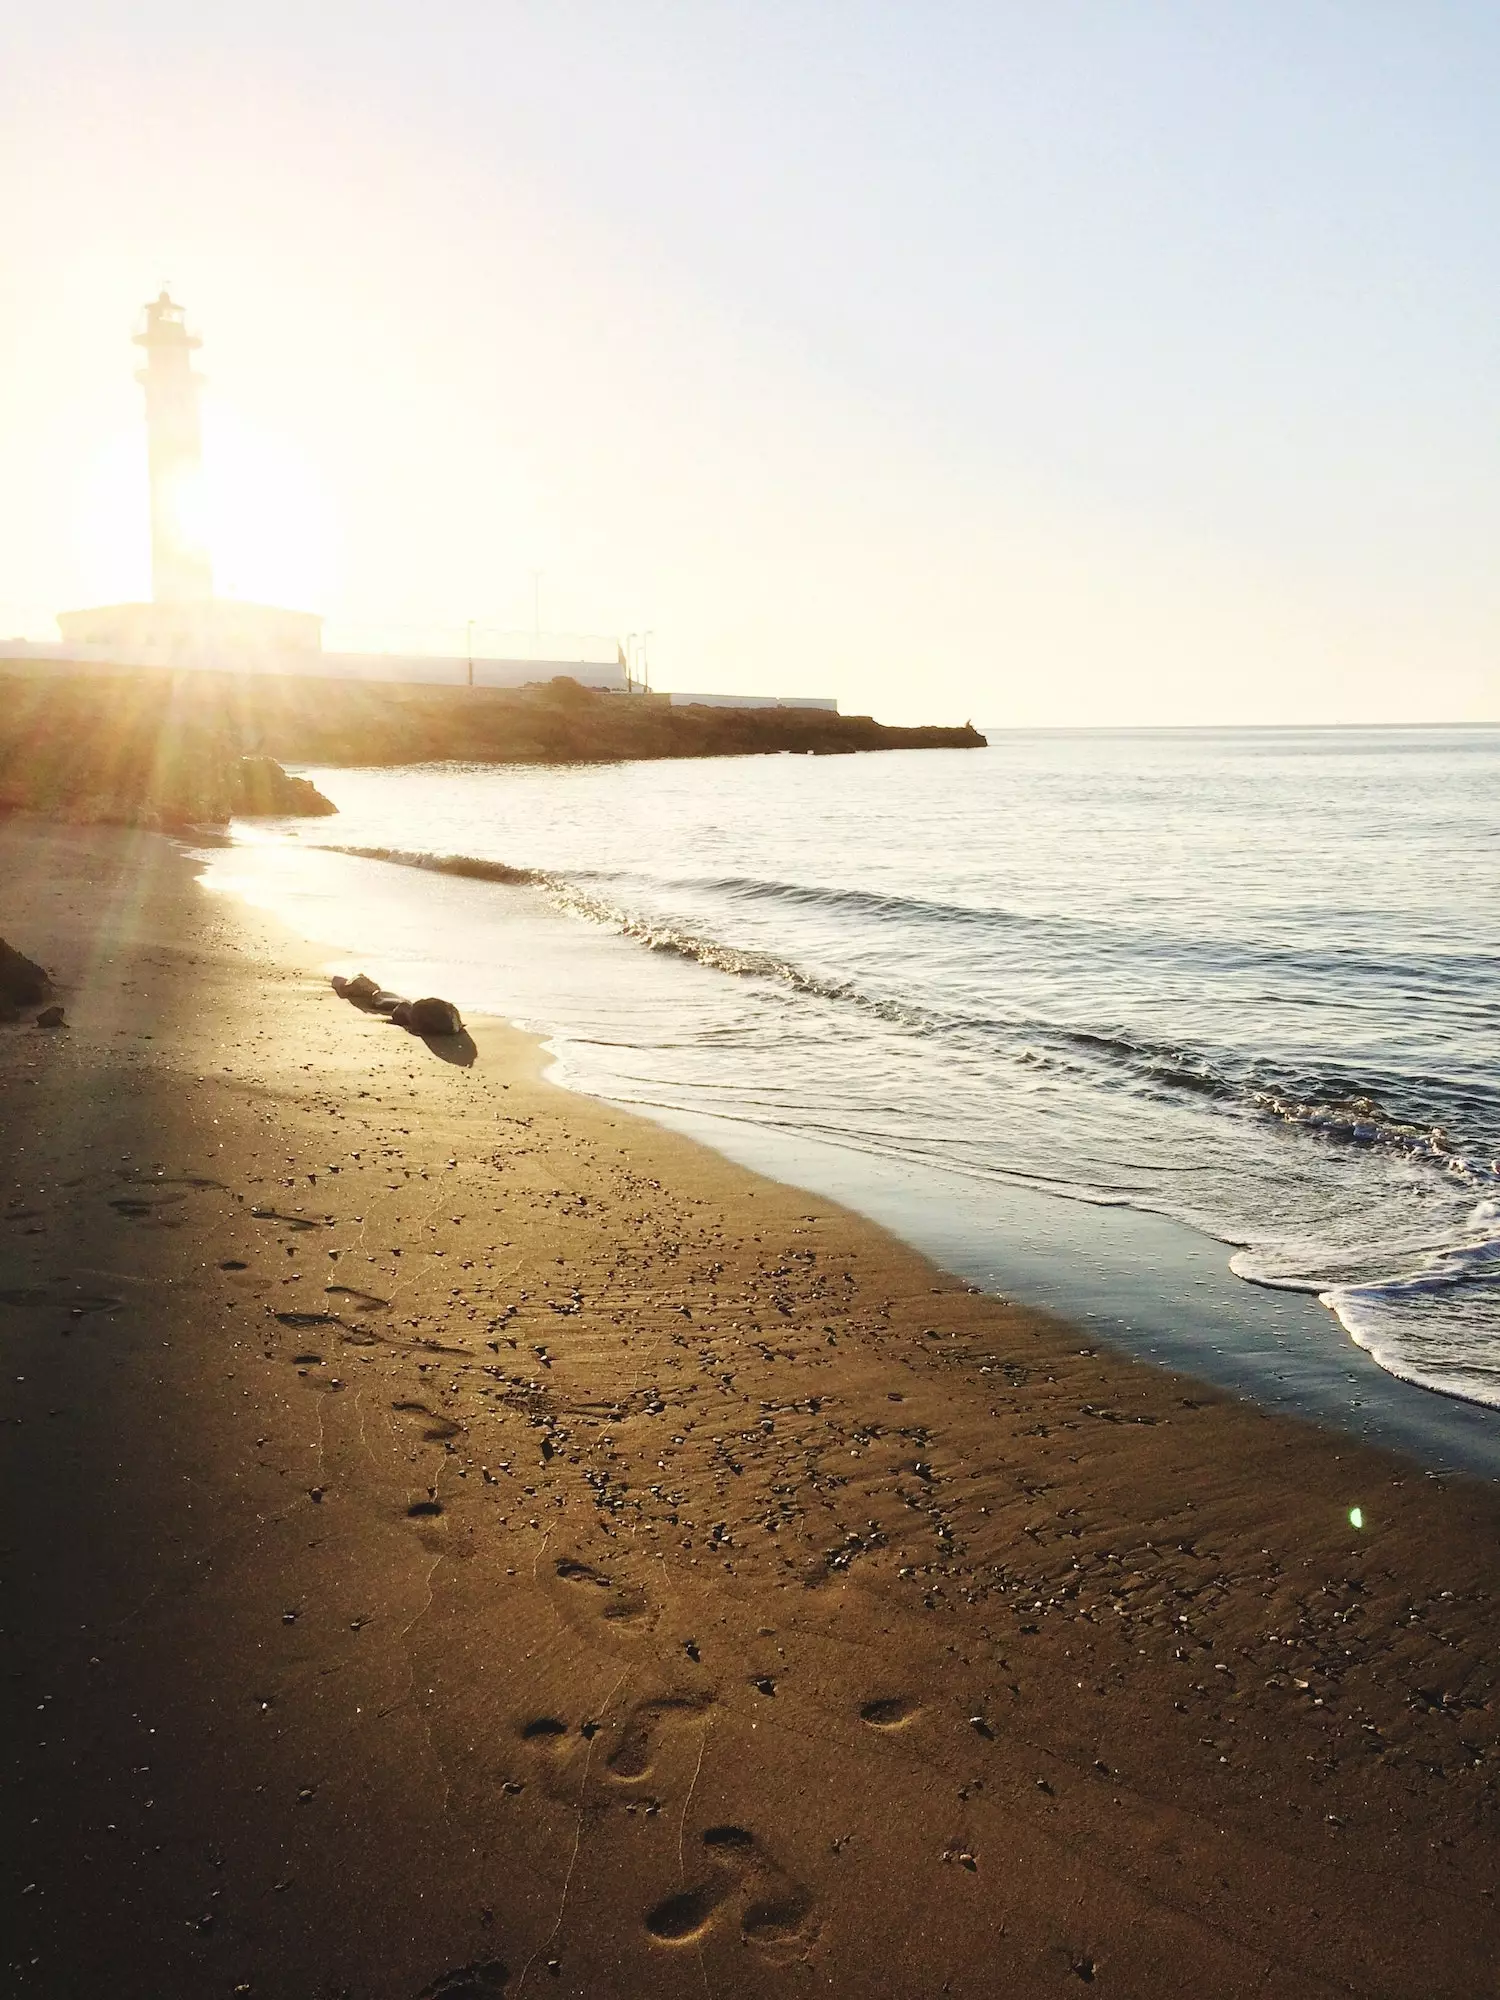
[460,1539]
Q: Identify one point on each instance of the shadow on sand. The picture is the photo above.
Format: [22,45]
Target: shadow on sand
[457,1048]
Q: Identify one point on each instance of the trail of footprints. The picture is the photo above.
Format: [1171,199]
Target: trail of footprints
[619,1605]
[738,1875]
[739,1879]
[634,1754]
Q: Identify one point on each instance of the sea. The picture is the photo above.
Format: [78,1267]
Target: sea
[1191,1036]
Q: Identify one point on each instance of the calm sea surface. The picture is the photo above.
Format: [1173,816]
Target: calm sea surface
[1247,980]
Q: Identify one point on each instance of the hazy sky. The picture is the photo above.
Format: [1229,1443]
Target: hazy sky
[1068,361]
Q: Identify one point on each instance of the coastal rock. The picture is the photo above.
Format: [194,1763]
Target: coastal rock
[51,1017]
[22,983]
[361,989]
[262,789]
[429,1016]
[434,1017]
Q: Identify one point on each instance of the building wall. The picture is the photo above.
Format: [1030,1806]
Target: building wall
[442,669]
[826,702]
[219,632]
[437,670]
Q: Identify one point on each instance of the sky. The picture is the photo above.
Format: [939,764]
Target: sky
[1067,362]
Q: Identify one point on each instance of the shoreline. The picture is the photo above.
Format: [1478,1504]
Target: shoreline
[1154,1286]
[636,1575]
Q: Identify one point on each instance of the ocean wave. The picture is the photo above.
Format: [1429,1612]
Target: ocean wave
[1456,970]
[566,893]
[1359,1120]
[1437,1326]
[680,941]
[1337,1111]
[863,902]
[470,865]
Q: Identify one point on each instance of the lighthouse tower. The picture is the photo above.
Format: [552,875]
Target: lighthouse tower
[180,568]
[184,625]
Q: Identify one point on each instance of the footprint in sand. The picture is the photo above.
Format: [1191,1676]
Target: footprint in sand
[552,1749]
[367,1300]
[468,1982]
[150,1207]
[890,1712]
[435,1429]
[635,1753]
[150,1201]
[681,1918]
[775,1911]
[618,1604]
[543,1729]
[77,1303]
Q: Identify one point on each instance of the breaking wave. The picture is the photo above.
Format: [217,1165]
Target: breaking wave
[471,865]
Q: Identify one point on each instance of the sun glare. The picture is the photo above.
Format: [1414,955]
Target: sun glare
[258,508]
[112,522]
[268,522]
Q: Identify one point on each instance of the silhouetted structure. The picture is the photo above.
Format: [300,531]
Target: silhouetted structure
[181,572]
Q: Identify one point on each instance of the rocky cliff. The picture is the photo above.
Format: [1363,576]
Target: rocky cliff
[158,748]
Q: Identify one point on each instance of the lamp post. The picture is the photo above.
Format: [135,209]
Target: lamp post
[646,638]
[469,648]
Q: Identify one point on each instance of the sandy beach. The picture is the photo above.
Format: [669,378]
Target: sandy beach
[460,1539]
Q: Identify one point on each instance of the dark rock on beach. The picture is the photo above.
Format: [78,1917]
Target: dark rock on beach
[262,789]
[22,982]
[361,989]
[428,1016]
[434,1017]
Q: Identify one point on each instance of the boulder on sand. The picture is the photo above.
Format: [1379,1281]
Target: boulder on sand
[429,1016]
[434,1017]
[361,989]
[22,983]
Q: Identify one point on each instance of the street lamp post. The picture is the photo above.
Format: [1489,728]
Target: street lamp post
[469,647]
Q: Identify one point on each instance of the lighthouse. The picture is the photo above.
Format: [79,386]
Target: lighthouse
[181,572]
[184,625]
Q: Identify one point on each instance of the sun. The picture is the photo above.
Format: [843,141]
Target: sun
[266,518]
[257,507]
